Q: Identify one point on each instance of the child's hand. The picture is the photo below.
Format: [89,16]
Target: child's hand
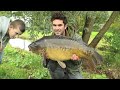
[75,57]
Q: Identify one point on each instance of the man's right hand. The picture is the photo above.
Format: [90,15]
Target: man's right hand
[75,57]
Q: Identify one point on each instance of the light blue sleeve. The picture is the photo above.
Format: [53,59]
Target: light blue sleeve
[4,23]
[1,55]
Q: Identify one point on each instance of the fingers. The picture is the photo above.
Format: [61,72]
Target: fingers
[75,57]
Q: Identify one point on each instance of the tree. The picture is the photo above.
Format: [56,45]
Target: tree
[88,27]
[104,29]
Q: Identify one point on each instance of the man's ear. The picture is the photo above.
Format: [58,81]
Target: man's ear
[66,26]
[10,26]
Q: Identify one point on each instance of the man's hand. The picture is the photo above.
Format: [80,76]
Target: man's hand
[75,57]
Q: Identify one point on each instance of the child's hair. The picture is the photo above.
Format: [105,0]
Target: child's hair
[59,15]
[19,23]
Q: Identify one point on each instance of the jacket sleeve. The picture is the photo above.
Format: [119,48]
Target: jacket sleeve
[4,24]
[0,29]
[45,61]
[1,55]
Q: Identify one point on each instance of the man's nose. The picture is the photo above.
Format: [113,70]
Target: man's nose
[57,27]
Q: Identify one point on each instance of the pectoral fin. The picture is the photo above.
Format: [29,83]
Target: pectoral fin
[62,64]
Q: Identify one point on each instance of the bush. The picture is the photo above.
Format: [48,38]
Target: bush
[114,47]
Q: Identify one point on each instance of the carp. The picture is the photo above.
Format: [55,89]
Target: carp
[61,48]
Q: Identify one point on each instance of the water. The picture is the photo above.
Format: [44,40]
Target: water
[20,43]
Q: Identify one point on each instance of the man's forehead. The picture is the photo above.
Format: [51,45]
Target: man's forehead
[57,21]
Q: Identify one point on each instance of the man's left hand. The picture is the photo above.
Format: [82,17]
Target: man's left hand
[75,57]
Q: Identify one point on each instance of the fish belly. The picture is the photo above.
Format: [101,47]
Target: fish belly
[60,54]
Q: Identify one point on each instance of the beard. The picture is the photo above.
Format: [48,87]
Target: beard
[57,33]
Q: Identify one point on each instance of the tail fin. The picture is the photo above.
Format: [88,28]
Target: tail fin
[91,64]
[97,58]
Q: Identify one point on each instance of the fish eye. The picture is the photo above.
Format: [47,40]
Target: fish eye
[35,44]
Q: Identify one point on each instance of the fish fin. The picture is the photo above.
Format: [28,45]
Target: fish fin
[97,58]
[62,64]
[90,66]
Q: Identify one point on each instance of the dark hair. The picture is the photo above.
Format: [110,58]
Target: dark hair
[59,15]
[19,23]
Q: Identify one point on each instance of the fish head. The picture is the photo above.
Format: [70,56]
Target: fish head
[36,47]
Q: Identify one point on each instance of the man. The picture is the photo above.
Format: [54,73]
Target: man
[72,70]
[9,30]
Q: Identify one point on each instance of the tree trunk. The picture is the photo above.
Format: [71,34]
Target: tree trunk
[88,28]
[98,37]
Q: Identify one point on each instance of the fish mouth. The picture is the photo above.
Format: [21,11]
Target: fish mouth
[30,47]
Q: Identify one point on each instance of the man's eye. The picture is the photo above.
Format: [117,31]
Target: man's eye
[16,33]
[60,25]
[54,25]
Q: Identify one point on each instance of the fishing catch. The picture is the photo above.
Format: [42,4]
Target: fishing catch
[61,48]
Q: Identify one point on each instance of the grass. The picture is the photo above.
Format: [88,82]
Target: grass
[19,64]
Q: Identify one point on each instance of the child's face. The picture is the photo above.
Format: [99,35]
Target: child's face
[13,32]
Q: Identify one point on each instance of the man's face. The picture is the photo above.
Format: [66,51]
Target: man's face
[13,32]
[58,27]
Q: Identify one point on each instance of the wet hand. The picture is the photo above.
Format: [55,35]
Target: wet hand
[75,57]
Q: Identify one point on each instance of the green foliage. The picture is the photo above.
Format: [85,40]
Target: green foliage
[100,20]
[40,22]
[76,20]
[113,46]
[41,74]
[19,64]
[94,76]
[6,13]
[10,72]
[102,16]
[113,39]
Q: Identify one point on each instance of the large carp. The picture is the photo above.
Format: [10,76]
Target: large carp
[61,48]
